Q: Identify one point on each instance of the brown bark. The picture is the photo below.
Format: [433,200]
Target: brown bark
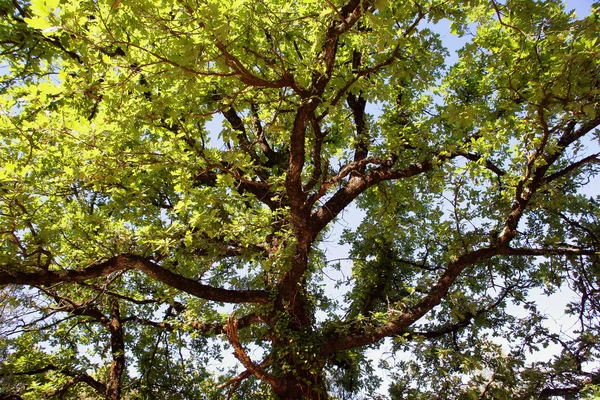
[117,345]
[75,375]
[240,354]
[358,106]
[291,298]
[530,183]
[357,185]
[362,337]
[125,262]
[298,389]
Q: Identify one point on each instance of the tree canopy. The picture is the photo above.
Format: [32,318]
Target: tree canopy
[142,243]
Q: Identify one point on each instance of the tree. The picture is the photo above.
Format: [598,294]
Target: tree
[139,244]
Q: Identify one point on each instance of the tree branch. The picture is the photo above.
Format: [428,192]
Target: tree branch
[236,380]
[357,185]
[78,376]
[358,104]
[273,157]
[594,158]
[215,328]
[117,345]
[125,262]
[524,194]
[564,251]
[463,322]
[487,163]
[240,354]
[367,335]
[248,77]
[349,13]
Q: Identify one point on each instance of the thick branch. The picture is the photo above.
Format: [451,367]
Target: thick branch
[214,328]
[117,345]
[564,251]
[566,392]
[358,104]
[273,157]
[197,289]
[78,376]
[318,170]
[364,336]
[487,163]
[293,180]
[594,158]
[440,289]
[125,262]
[462,323]
[523,196]
[240,354]
[248,77]
[534,178]
[349,15]
[261,191]
[357,185]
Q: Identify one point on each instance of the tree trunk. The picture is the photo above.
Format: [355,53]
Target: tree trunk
[303,385]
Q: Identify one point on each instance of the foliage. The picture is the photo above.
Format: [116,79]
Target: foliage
[142,243]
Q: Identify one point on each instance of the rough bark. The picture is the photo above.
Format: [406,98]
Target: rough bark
[117,346]
[126,262]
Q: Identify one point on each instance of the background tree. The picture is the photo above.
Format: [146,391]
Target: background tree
[139,244]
